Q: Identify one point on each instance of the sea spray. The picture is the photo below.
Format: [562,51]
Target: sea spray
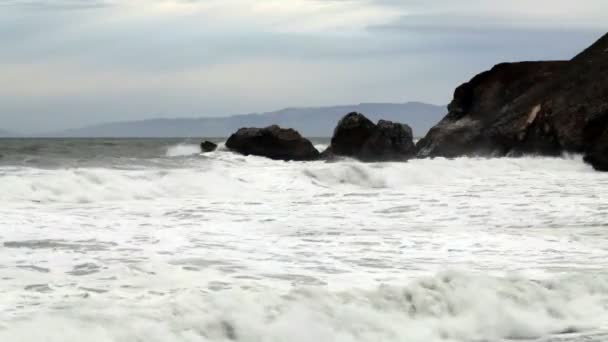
[183,150]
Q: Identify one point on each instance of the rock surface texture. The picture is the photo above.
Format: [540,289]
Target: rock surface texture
[356,136]
[272,142]
[544,108]
[208,146]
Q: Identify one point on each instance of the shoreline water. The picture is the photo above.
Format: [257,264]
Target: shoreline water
[192,247]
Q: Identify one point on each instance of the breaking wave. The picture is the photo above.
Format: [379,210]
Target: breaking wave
[154,242]
[450,306]
[89,185]
[225,173]
[183,150]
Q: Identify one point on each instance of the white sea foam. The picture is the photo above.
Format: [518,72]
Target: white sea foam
[183,150]
[226,172]
[219,247]
[446,307]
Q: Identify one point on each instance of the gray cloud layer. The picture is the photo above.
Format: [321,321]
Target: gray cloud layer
[69,63]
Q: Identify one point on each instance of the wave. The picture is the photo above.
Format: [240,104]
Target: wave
[451,306]
[88,185]
[183,150]
[225,173]
[351,173]
[441,171]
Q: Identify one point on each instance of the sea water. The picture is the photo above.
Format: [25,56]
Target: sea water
[148,240]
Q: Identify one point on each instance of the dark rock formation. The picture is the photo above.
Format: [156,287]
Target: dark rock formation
[350,134]
[208,146]
[272,142]
[356,136]
[389,141]
[481,119]
[526,108]
[596,140]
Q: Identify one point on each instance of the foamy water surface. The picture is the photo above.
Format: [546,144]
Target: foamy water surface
[179,246]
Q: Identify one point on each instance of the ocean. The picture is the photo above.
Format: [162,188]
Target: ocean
[105,240]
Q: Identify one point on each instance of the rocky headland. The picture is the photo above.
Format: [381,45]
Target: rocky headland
[540,108]
[543,108]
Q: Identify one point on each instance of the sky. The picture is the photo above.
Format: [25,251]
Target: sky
[70,63]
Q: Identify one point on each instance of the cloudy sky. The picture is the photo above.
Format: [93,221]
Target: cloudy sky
[68,63]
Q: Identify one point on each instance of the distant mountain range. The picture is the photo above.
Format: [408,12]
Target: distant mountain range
[311,122]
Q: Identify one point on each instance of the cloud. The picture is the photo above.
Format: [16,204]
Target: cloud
[34,98]
[90,61]
[483,14]
[182,34]
[57,5]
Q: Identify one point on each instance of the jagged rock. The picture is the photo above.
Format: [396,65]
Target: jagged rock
[356,136]
[525,108]
[208,146]
[481,119]
[272,142]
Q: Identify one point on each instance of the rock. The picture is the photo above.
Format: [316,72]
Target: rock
[356,136]
[328,154]
[272,142]
[351,133]
[208,146]
[596,138]
[525,108]
[480,119]
[390,141]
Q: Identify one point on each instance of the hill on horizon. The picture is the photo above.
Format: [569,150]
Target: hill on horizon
[311,122]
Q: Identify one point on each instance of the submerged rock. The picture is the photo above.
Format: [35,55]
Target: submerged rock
[208,146]
[526,108]
[272,142]
[358,137]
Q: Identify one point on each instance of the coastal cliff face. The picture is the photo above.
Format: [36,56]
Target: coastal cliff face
[482,118]
[527,108]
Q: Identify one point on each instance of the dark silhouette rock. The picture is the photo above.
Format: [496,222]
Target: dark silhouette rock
[481,119]
[596,139]
[389,141]
[328,154]
[356,136]
[352,131]
[272,142]
[525,108]
[208,146]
